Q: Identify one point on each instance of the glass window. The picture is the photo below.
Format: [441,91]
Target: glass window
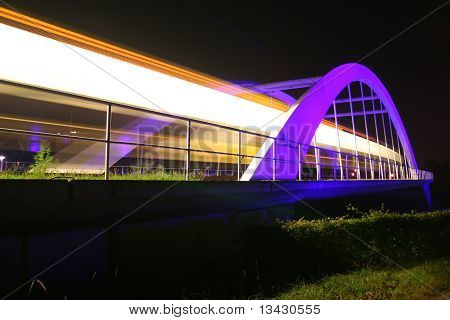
[58,155]
[42,112]
[211,138]
[136,126]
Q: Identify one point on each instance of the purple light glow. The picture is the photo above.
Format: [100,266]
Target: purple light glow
[35,144]
[308,114]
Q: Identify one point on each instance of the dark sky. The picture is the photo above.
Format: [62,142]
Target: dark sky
[268,41]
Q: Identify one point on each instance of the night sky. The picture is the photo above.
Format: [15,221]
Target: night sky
[268,41]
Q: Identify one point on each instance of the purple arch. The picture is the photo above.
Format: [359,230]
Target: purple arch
[304,117]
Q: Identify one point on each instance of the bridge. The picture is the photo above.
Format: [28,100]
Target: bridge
[110,112]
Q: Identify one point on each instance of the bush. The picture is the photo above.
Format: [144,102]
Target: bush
[43,159]
[309,250]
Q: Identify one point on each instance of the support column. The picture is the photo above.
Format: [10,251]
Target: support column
[188,150]
[372,175]
[317,156]
[385,142]
[381,171]
[274,163]
[300,162]
[339,141]
[334,166]
[358,172]
[393,148]
[108,141]
[402,175]
[239,155]
[346,166]
[406,165]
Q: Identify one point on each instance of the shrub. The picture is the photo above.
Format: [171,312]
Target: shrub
[311,249]
[43,159]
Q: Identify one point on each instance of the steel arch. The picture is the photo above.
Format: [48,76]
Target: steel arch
[299,124]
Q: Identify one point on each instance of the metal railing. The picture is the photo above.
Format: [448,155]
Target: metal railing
[313,162]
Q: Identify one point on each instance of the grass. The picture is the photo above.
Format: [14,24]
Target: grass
[425,281]
[274,256]
[151,175]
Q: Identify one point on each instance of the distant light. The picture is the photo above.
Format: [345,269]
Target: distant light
[2,158]
[73,132]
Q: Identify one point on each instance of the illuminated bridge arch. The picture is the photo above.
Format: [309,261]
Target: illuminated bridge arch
[301,123]
[145,115]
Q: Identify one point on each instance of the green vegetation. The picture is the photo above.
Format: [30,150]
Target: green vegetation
[43,159]
[151,175]
[375,238]
[374,255]
[425,281]
[302,250]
